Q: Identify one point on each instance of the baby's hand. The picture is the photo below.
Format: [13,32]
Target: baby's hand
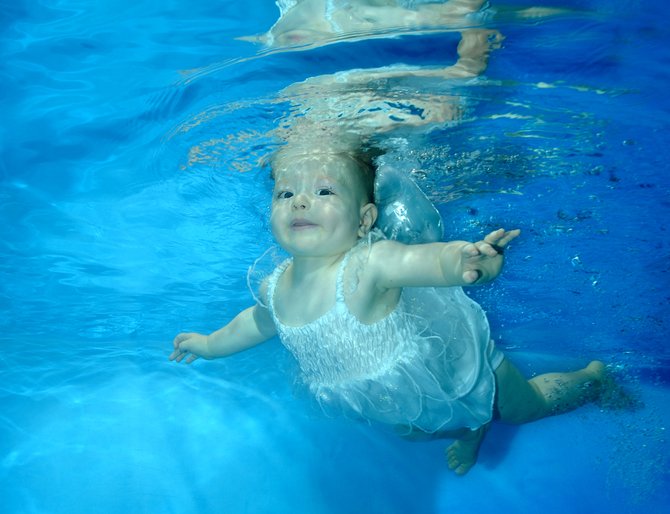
[482,261]
[189,345]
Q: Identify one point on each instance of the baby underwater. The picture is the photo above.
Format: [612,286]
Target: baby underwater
[381,329]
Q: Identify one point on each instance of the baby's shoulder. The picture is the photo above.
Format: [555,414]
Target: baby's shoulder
[380,251]
[367,300]
[370,261]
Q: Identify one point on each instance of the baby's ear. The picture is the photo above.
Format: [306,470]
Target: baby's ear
[368,218]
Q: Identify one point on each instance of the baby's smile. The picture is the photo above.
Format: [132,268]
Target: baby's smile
[302,224]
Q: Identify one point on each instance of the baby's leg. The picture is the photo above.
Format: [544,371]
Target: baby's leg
[523,401]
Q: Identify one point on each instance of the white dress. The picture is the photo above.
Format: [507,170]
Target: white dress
[427,366]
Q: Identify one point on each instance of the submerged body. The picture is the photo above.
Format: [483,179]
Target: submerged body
[349,326]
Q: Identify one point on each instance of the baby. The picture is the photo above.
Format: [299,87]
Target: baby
[382,330]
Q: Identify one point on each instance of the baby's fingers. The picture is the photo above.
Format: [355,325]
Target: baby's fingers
[507,236]
[178,355]
[181,350]
[471,250]
[495,242]
[181,354]
[471,276]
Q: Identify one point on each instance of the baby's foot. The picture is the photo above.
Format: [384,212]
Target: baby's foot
[462,454]
[610,395]
[597,370]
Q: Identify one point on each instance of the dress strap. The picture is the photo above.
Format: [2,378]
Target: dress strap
[272,284]
[339,284]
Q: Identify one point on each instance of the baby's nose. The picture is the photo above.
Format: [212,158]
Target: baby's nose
[300,201]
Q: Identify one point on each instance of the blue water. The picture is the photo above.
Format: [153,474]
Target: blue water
[134,199]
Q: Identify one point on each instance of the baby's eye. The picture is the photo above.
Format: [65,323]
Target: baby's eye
[283,195]
[324,191]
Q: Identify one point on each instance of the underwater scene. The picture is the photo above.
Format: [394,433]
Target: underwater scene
[136,150]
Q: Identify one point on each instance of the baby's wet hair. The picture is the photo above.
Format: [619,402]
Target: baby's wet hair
[365,158]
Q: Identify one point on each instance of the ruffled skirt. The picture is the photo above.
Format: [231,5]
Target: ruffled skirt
[441,380]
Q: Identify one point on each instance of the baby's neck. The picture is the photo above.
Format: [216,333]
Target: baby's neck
[306,290]
[308,269]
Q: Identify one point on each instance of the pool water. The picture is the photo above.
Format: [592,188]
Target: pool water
[134,198]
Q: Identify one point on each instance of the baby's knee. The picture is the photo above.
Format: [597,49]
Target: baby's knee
[518,400]
[519,413]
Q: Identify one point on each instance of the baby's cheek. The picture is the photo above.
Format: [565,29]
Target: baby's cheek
[274,224]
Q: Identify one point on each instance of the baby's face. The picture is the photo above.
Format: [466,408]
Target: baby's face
[317,204]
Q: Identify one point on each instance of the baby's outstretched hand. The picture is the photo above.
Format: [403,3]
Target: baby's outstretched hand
[190,346]
[482,261]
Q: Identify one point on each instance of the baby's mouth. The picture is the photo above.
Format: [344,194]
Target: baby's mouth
[301,224]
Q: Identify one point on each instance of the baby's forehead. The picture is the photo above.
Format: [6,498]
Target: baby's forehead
[331,167]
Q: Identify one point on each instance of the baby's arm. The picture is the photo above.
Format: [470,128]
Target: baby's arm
[457,263]
[249,328]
